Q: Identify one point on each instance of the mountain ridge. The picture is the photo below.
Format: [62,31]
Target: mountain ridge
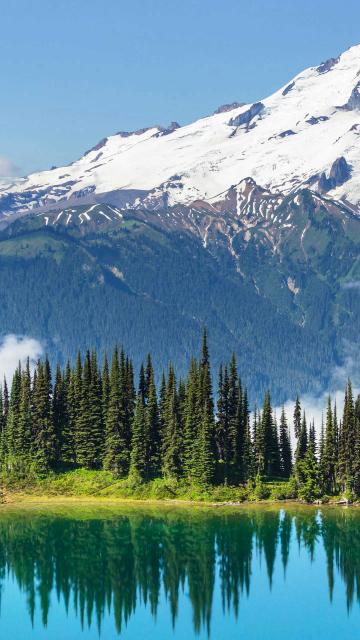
[293,138]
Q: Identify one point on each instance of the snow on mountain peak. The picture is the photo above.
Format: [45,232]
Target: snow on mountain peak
[289,139]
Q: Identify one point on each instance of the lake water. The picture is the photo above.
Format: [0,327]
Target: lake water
[250,573]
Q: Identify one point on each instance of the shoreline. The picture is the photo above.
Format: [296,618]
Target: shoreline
[19,499]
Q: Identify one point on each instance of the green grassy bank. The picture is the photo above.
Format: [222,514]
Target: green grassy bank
[104,485]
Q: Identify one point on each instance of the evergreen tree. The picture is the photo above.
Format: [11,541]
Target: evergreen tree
[153,463]
[84,448]
[117,449]
[297,418]
[23,431]
[105,389]
[171,454]
[59,413]
[5,412]
[302,444]
[139,442]
[67,418]
[347,443]
[269,440]
[2,423]
[312,437]
[222,431]
[204,465]
[5,400]
[162,409]
[285,447]
[247,448]
[128,395]
[235,428]
[43,424]
[356,470]
[307,475]
[328,462]
[10,433]
[142,384]
[191,418]
[259,444]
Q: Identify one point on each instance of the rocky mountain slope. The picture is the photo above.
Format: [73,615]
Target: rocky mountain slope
[305,134]
[273,278]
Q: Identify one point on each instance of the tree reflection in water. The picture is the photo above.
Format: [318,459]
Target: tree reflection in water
[116,559]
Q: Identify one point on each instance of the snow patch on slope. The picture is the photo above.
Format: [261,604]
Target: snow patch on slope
[213,153]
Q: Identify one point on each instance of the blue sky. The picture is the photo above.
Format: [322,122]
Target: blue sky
[74,71]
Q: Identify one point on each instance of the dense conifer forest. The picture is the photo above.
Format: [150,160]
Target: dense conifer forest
[93,416]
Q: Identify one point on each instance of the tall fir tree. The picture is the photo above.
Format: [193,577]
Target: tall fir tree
[235,429]
[191,418]
[297,417]
[153,463]
[68,415]
[328,462]
[140,441]
[12,421]
[44,430]
[59,413]
[347,441]
[204,465]
[222,435]
[117,446]
[302,443]
[105,396]
[269,440]
[171,454]
[23,433]
[285,447]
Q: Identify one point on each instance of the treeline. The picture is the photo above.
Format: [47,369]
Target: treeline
[93,417]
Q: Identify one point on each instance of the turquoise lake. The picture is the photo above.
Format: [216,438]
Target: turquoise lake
[250,573]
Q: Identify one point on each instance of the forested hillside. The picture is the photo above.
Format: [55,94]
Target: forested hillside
[283,300]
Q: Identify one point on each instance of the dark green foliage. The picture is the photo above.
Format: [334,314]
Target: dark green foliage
[347,441]
[307,475]
[328,459]
[172,447]
[139,441]
[150,282]
[43,424]
[285,447]
[302,443]
[95,420]
[191,419]
[153,461]
[89,424]
[65,419]
[269,443]
[297,418]
[117,432]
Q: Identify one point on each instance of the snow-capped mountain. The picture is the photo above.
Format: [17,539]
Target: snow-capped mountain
[305,134]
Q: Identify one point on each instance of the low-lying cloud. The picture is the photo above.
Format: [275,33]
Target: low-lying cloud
[15,349]
[315,405]
[8,170]
[352,284]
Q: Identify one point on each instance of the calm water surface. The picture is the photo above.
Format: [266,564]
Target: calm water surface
[166,573]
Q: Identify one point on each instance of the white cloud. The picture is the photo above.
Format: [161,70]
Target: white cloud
[15,349]
[315,405]
[353,284]
[8,170]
